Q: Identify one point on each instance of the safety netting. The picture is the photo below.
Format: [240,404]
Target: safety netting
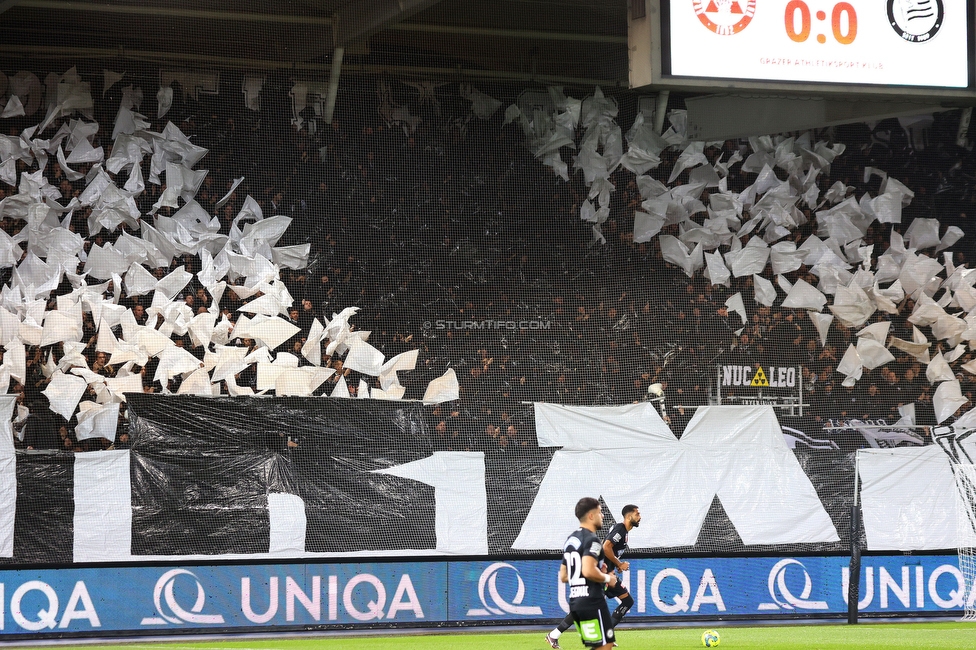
[214,296]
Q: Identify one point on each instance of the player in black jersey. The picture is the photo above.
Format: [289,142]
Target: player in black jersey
[581,569]
[613,548]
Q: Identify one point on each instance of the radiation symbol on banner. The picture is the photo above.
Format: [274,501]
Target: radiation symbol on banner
[759,379]
[725,17]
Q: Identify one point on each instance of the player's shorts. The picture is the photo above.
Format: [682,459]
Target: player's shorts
[617,591]
[594,625]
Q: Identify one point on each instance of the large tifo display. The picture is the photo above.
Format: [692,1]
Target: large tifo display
[254,478]
[301,477]
[176,599]
[892,42]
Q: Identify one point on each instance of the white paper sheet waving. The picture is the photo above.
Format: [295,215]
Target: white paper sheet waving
[97,421]
[947,400]
[736,452]
[64,392]
[910,501]
[461,511]
[443,389]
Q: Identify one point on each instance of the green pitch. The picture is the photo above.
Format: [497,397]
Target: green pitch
[801,637]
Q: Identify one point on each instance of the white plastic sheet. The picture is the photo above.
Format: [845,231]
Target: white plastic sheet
[461,512]
[341,389]
[822,323]
[404,361]
[8,478]
[287,523]
[103,506]
[947,400]
[850,365]
[119,385]
[804,296]
[765,292]
[443,389]
[646,226]
[737,453]
[736,304]
[174,361]
[197,383]
[635,446]
[762,487]
[750,260]
[97,421]
[910,501]
[64,392]
[938,370]
[272,332]
[852,306]
[873,354]
[922,233]
[7,405]
[718,273]
[876,332]
[364,358]
[675,252]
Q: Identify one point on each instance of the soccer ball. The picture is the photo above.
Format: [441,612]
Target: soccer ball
[710,638]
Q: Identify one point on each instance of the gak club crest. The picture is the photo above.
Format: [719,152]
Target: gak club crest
[725,17]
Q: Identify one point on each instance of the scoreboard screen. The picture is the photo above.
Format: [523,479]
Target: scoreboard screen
[923,43]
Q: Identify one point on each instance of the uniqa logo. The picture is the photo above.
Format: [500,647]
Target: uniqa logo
[164,592]
[489,581]
[777,582]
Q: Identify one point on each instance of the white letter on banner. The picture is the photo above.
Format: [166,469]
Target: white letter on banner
[634,445]
[374,608]
[561,594]
[956,596]
[103,506]
[919,587]
[8,478]
[845,579]
[313,605]
[641,597]
[731,451]
[713,598]
[287,521]
[680,600]
[885,581]
[272,598]
[71,613]
[461,501]
[412,603]
[46,617]
[333,598]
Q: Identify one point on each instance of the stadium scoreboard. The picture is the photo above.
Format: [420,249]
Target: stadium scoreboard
[893,47]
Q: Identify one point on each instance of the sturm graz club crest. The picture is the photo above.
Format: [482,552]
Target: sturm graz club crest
[916,21]
[725,17]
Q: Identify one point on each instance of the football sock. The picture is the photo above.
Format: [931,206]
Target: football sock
[621,611]
[563,626]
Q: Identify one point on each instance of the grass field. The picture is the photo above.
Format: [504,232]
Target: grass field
[806,637]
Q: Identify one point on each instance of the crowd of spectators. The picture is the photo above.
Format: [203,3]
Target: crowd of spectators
[436,226]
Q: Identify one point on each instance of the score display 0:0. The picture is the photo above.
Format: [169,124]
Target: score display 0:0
[799,9]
